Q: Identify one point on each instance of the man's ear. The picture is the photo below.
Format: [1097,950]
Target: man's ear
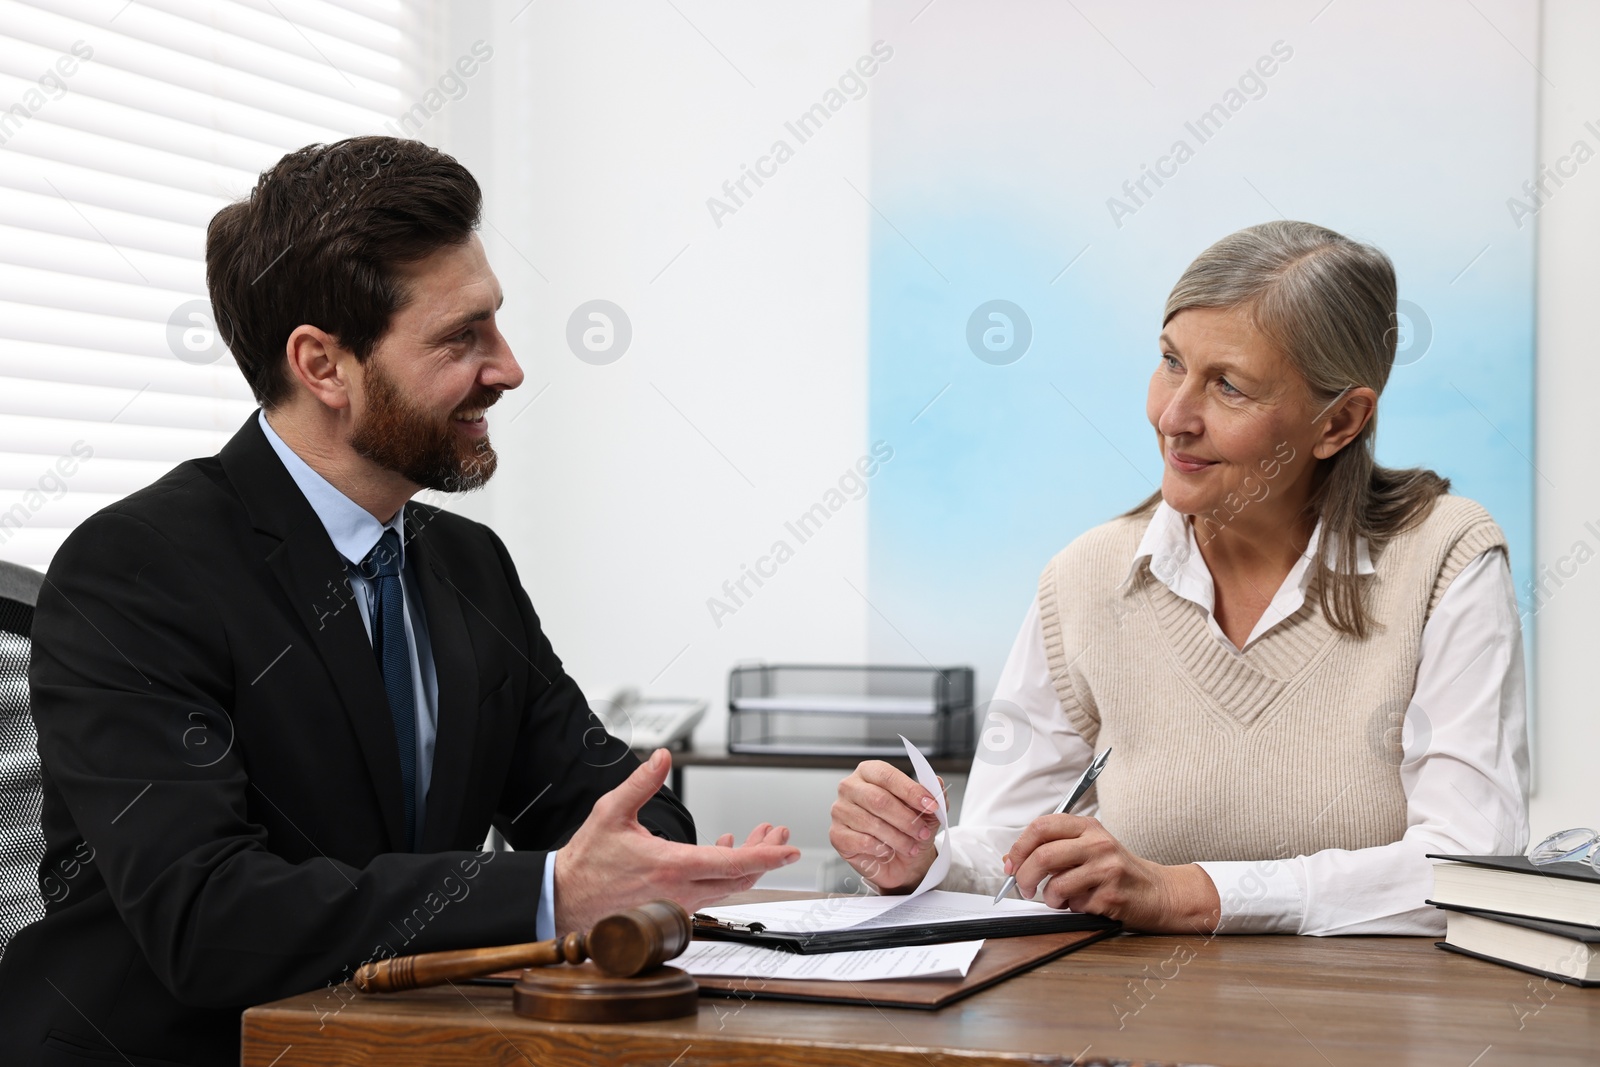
[321,365]
[1344,420]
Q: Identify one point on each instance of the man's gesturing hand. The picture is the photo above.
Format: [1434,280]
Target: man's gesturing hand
[613,862]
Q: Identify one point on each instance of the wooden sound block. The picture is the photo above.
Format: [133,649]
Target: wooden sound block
[585,994]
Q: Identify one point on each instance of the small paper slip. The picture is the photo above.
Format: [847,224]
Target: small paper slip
[707,959]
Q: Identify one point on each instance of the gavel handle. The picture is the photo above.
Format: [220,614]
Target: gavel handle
[436,968]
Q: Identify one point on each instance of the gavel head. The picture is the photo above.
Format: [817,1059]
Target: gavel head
[639,939]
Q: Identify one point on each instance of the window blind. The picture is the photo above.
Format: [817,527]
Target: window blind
[124,126]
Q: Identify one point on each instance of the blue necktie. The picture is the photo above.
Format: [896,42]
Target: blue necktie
[382,567]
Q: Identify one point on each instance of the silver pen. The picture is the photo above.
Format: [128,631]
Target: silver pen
[1090,773]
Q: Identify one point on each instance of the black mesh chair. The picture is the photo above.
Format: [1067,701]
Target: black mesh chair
[21,842]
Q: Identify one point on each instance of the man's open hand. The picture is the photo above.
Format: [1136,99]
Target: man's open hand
[613,862]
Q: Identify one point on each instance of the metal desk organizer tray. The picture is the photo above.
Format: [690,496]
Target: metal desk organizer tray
[811,710]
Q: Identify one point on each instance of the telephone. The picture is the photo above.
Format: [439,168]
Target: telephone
[648,723]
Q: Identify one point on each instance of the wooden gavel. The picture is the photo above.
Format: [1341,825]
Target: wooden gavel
[623,945]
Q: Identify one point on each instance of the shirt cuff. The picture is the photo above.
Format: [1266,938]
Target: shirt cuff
[1258,896]
[544,925]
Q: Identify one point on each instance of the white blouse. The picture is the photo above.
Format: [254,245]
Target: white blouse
[1464,771]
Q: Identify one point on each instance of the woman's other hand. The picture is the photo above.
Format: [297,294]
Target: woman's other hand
[1082,867]
[884,825]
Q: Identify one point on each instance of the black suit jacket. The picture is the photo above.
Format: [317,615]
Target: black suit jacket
[222,797]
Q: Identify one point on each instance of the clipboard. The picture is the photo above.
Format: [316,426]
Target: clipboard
[998,960]
[707,928]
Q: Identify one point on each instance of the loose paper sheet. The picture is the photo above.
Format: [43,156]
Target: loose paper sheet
[726,959]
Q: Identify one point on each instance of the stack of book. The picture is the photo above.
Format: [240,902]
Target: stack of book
[1539,918]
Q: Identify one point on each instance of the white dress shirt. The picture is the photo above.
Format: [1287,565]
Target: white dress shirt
[1464,769]
[355,532]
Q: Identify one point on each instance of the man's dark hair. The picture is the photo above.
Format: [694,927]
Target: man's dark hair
[319,240]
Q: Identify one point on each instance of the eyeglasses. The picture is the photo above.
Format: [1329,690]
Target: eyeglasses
[1569,846]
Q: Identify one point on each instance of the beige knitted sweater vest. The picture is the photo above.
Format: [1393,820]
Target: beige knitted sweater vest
[1292,746]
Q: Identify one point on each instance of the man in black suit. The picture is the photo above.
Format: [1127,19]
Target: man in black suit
[279,707]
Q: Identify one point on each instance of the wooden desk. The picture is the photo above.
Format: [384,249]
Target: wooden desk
[1132,1000]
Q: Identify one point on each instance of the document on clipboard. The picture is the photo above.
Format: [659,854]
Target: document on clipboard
[935,917]
[925,916]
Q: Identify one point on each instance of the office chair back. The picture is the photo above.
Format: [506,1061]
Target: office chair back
[21,841]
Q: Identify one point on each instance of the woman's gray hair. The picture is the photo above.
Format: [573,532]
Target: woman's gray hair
[1327,303]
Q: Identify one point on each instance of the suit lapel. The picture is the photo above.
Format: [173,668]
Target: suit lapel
[456,671]
[301,556]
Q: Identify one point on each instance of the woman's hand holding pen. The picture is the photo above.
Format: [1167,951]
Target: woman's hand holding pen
[1082,867]
[884,825]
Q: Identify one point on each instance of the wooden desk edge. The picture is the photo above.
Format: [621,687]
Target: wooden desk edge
[271,1031]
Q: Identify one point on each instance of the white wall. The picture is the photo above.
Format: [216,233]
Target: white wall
[1567,647]
[629,493]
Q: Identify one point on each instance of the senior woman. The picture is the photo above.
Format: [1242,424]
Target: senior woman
[1250,640]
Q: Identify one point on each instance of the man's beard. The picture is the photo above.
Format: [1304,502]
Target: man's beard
[423,447]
